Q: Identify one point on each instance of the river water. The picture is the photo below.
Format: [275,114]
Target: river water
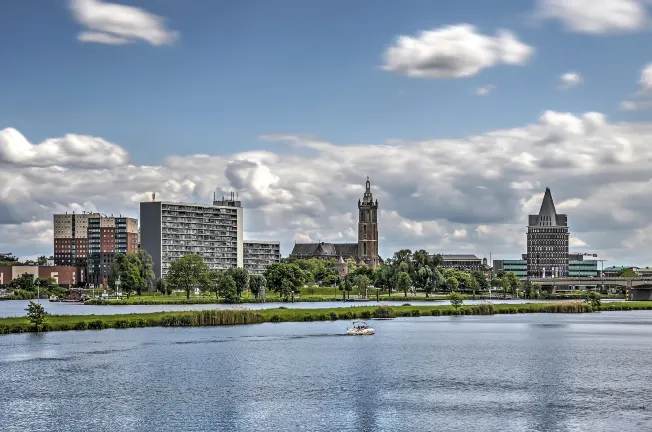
[16,308]
[531,372]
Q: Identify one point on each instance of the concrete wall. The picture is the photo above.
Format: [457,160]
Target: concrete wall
[63,275]
[17,271]
[150,233]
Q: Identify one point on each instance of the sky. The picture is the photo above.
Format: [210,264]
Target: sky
[461,113]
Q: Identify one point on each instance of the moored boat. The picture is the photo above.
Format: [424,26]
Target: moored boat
[360,328]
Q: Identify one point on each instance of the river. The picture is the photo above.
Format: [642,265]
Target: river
[530,372]
[16,308]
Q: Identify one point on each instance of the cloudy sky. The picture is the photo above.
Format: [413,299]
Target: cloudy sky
[460,111]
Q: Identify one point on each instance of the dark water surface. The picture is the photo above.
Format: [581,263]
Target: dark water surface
[547,372]
[16,308]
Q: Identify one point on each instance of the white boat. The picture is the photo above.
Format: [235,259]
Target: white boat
[360,328]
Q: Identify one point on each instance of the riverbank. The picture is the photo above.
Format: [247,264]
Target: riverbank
[242,317]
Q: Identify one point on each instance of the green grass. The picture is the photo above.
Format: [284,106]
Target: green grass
[238,317]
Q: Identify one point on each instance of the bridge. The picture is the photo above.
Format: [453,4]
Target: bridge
[639,288]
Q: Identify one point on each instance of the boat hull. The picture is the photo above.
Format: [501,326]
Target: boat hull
[355,332]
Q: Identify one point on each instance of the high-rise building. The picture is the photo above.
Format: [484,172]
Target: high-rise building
[547,241]
[71,238]
[259,254]
[108,237]
[171,230]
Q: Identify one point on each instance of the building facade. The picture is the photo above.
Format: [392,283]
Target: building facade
[518,267]
[547,241]
[171,230]
[63,275]
[259,254]
[365,250]
[108,237]
[463,262]
[71,238]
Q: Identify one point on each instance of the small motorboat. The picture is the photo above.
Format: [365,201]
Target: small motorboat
[54,298]
[360,328]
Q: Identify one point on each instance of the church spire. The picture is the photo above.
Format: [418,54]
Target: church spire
[368,197]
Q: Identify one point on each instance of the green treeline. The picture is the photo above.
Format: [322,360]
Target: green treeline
[239,317]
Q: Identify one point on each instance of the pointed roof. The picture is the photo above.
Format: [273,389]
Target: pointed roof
[368,197]
[548,206]
[340,260]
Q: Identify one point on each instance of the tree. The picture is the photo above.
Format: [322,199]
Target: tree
[42,260]
[362,282]
[257,284]
[284,278]
[36,314]
[161,286]
[452,284]
[422,279]
[126,267]
[403,282]
[513,282]
[483,283]
[23,282]
[241,278]
[228,289]
[382,278]
[627,272]
[144,262]
[456,299]
[210,282]
[528,288]
[186,273]
[593,298]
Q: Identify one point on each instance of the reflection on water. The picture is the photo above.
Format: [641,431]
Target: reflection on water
[15,308]
[547,372]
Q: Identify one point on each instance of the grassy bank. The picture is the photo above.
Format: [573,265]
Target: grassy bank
[240,317]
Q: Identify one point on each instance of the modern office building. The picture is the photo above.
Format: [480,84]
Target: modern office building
[170,230]
[518,267]
[108,236]
[71,238]
[580,267]
[547,241]
[259,254]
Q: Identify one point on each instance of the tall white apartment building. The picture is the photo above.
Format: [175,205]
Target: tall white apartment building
[259,254]
[171,230]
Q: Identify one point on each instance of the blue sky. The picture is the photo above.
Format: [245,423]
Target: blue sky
[103,104]
[242,69]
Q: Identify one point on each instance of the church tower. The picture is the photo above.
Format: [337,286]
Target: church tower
[368,228]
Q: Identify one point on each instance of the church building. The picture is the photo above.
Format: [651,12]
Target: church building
[365,250]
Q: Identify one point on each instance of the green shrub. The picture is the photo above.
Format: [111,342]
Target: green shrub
[4,329]
[345,315]
[275,319]
[365,314]
[121,324]
[383,312]
[63,327]
[81,325]
[96,325]
[415,313]
[332,316]
[308,318]
[321,317]
[435,312]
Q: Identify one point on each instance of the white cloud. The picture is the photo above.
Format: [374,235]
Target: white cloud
[570,79]
[595,16]
[71,150]
[484,91]
[455,51]
[644,93]
[575,242]
[116,24]
[470,195]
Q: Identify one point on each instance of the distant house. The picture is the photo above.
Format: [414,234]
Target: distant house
[614,270]
[463,262]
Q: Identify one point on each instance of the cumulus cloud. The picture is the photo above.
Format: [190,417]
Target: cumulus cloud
[454,51]
[644,93]
[469,194]
[570,79]
[484,91]
[70,150]
[596,16]
[116,24]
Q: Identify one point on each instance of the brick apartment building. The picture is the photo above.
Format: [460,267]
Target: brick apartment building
[91,241]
